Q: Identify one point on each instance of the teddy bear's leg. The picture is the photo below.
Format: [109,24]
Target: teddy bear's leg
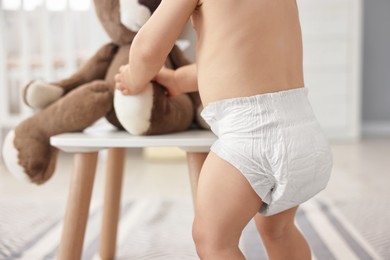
[27,151]
[38,94]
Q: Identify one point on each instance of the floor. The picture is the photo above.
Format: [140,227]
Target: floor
[361,177]
[146,175]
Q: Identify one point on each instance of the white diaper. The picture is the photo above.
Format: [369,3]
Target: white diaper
[275,141]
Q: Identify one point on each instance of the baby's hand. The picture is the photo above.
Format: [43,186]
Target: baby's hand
[124,84]
[166,77]
[121,81]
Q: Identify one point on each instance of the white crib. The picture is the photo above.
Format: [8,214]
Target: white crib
[41,39]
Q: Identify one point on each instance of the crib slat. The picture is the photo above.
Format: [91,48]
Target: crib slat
[4,105]
[25,58]
[68,38]
[47,51]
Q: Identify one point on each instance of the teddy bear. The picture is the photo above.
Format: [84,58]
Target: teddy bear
[75,103]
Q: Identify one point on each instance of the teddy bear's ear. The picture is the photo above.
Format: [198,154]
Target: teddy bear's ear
[129,12]
[135,13]
[150,4]
[108,12]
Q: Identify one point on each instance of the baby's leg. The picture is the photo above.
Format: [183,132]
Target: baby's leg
[225,204]
[281,237]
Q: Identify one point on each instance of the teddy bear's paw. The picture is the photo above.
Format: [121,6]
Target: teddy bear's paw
[10,156]
[34,163]
[134,112]
[39,94]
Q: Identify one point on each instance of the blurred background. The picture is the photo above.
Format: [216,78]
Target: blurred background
[346,59]
[347,71]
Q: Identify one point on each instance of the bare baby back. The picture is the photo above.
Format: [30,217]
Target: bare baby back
[247,47]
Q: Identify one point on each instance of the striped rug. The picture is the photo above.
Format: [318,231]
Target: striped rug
[161,229]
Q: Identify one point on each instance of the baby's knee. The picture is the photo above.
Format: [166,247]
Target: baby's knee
[275,231]
[208,242]
[201,237]
[276,226]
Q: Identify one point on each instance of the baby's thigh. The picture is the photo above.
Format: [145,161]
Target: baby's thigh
[225,199]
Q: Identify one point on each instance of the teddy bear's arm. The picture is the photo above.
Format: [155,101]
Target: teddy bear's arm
[177,58]
[95,68]
[39,94]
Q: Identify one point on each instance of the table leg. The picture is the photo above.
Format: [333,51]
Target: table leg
[195,162]
[77,209]
[112,197]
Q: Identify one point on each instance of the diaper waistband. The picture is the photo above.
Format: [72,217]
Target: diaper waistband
[287,105]
[262,98]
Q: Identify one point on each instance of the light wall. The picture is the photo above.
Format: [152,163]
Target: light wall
[376,68]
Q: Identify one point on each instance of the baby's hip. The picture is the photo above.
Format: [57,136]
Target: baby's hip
[273,123]
[260,114]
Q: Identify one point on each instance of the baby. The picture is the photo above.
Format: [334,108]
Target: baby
[271,154]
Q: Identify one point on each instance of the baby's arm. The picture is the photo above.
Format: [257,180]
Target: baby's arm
[182,80]
[153,43]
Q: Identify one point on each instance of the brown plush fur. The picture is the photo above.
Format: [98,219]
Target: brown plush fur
[88,96]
